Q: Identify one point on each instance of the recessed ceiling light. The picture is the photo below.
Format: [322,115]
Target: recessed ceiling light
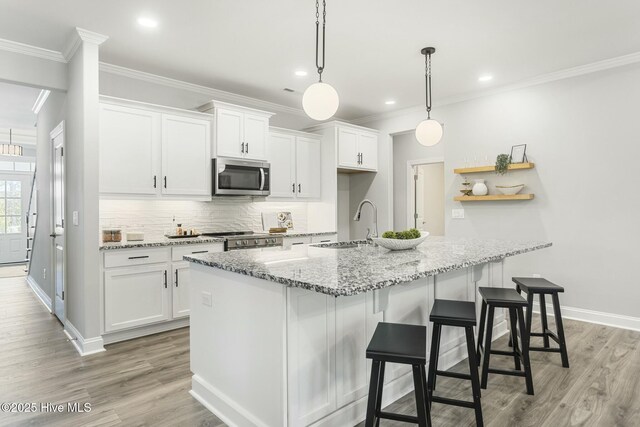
[300,73]
[147,22]
[390,102]
[485,78]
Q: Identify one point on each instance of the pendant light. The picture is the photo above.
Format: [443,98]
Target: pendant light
[320,101]
[10,149]
[429,131]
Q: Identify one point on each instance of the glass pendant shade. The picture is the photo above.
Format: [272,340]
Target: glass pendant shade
[320,101]
[429,132]
[10,150]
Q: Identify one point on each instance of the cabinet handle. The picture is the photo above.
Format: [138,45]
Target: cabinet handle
[325,241]
[297,243]
[199,252]
[246,147]
[299,188]
[176,278]
[165,182]
[242,149]
[154,181]
[293,187]
[139,257]
[165,279]
[361,158]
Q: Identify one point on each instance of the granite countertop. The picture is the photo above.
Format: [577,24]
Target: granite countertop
[350,271]
[161,241]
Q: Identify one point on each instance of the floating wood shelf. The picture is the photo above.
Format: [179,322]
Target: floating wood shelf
[492,168]
[493,197]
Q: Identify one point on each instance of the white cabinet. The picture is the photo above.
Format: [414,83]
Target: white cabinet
[129,150]
[238,131]
[136,296]
[186,154]
[295,164]
[357,149]
[153,150]
[180,291]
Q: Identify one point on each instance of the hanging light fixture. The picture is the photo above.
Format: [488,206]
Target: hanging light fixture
[10,149]
[320,101]
[429,131]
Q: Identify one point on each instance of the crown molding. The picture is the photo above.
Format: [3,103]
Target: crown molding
[580,70]
[78,37]
[217,94]
[25,49]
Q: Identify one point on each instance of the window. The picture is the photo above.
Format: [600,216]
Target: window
[10,207]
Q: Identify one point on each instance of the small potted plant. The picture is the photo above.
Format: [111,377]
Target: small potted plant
[401,240]
[502,163]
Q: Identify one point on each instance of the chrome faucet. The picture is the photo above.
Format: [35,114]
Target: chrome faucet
[375,218]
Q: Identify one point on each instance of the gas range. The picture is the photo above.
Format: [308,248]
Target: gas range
[246,239]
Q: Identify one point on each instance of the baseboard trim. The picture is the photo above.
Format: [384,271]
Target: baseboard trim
[84,346]
[129,334]
[591,316]
[42,296]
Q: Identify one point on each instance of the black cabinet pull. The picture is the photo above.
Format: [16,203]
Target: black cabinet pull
[299,188]
[242,147]
[361,158]
[139,257]
[176,278]
[199,252]
[293,187]
[165,279]
[154,181]
[165,182]
[297,243]
[246,147]
[325,241]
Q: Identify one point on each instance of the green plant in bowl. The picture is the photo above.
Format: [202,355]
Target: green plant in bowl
[412,233]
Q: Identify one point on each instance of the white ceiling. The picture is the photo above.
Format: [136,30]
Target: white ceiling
[252,47]
[15,106]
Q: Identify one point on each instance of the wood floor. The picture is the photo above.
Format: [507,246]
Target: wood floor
[146,381]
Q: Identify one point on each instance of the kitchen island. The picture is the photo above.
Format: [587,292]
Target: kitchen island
[278,336]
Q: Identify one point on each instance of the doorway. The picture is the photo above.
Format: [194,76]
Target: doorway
[57,219]
[425,184]
[14,201]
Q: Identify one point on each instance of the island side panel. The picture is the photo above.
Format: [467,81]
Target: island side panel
[238,346]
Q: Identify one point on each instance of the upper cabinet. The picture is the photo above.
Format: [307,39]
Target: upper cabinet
[295,164]
[152,150]
[239,132]
[357,149]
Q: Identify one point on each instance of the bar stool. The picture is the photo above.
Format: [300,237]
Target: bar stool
[493,298]
[398,343]
[460,314]
[535,285]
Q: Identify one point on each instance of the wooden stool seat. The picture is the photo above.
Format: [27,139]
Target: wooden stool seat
[537,285]
[453,313]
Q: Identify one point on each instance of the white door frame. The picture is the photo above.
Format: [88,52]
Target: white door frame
[59,129]
[410,196]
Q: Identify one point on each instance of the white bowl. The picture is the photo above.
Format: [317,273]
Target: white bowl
[400,244]
[510,190]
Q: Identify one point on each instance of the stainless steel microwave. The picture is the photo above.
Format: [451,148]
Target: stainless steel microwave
[240,178]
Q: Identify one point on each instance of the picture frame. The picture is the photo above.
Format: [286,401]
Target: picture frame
[519,153]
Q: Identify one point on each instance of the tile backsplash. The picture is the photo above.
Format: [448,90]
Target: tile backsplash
[154,217]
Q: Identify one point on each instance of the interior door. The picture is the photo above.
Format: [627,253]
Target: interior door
[308,167]
[14,202]
[57,217]
[347,148]
[282,159]
[418,216]
[186,156]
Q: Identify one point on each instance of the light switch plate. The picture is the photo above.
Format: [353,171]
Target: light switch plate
[75,218]
[206,299]
[457,213]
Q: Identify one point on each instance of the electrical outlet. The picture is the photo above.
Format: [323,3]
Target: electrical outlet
[206,299]
[75,218]
[457,213]
[44,274]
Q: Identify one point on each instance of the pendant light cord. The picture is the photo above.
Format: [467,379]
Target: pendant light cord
[324,25]
[427,78]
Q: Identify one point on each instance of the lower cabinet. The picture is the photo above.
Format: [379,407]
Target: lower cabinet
[135,296]
[181,288]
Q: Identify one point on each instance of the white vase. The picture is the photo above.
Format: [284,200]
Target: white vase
[480,188]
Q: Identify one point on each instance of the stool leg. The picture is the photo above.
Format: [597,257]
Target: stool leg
[560,329]
[373,390]
[433,359]
[487,348]
[513,320]
[510,336]
[527,325]
[475,381]
[483,317]
[423,372]
[524,337]
[421,400]
[543,317]
[379,393]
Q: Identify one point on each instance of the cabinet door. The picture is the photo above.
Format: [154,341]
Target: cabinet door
[181,289]
[186,156]
[129,146]
[135,296]
[256,132]
[368,148]
[282,159]
[311,356]
[308,167]
[229,133]
[347,148]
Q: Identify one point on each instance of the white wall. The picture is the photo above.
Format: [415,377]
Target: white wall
[582,133]
[51,114]
[32,71]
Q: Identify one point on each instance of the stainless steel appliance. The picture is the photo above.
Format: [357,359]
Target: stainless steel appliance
[246,239]
[240,178]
